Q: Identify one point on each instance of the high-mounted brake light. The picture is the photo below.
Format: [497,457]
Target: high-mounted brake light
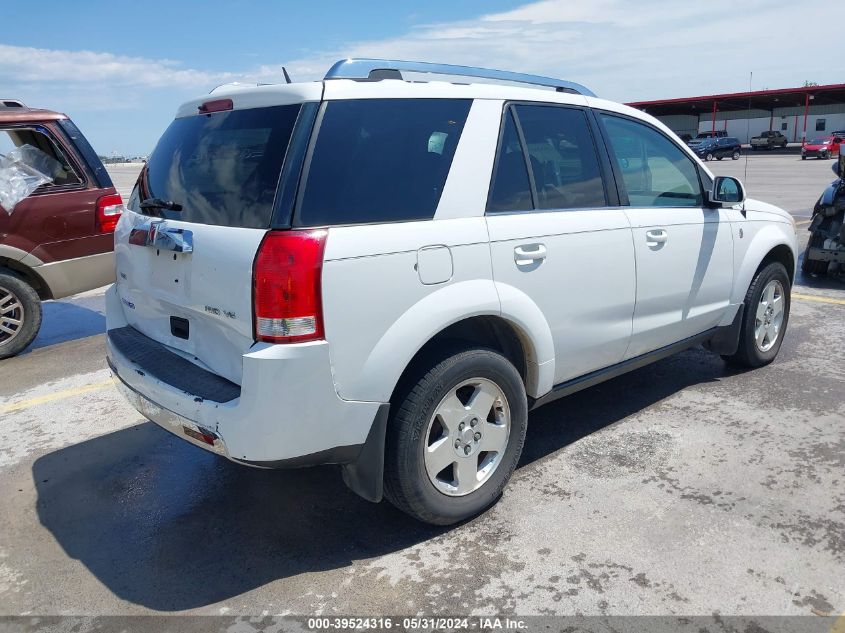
[218,105]
[287,288]
[109,208]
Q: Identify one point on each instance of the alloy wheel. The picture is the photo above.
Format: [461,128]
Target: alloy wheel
[467,436]
[769,318]
[11,315]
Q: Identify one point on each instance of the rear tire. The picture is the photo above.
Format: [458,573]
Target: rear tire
[20,314]
[436,467]
[764,319]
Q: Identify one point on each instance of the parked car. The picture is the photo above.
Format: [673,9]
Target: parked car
[769,140]
[389,274]
[823,147]
[58,240]
[718,148]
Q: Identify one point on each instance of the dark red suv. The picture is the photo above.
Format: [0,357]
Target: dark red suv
[58,240]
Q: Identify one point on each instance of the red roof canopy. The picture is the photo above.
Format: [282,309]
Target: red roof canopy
[756,100]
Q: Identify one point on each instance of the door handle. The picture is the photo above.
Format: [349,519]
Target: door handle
[656,237]
[528,254]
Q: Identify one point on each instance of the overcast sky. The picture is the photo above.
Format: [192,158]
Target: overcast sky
[120,69]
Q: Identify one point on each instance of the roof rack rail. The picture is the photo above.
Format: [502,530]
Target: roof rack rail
[375,69]
[11,103]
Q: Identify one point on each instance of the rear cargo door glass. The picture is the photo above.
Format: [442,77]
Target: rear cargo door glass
[381,160]
[222,168]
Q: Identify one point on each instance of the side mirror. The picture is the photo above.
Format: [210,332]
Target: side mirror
[726,192]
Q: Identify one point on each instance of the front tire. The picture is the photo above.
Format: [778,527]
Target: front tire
[455,438]
[20,314]
[764,319]
[735,156]
[708,157]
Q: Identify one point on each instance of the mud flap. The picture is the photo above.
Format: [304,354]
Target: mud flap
[365,476]
[726,340]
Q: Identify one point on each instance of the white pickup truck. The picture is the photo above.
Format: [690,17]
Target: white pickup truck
[389,274]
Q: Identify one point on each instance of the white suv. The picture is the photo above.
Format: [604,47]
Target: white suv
[389,274]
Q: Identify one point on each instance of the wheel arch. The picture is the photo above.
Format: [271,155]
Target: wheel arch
[477,310]
[28,275]
[774,243]
[490,331]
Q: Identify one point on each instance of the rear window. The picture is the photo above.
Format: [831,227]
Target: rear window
[381,160]
[223,168]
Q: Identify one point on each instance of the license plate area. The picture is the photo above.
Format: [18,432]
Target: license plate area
[170,272]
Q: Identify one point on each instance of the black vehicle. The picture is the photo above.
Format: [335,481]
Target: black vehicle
[718,148]
[827,230]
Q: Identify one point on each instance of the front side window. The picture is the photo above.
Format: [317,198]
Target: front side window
[381,160]
[562,156]
[655,171]
[34,148]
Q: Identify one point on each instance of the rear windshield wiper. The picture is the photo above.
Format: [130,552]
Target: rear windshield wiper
[158,203]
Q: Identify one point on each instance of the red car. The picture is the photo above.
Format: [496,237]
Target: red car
[59,239]
[823,147]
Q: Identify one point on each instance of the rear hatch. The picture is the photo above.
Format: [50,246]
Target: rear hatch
[202,205]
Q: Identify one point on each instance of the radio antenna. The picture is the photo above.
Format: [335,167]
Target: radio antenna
[747,136]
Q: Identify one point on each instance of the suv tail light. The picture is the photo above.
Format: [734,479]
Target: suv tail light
[109,209]
[286,287]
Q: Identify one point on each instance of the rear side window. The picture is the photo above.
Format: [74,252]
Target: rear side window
[381,160]
[511,189]
[223,168]
[656,172]
[563,157]
[35,148]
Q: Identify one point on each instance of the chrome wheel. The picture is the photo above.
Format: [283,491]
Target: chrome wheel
[11,315]
[770,313]
[467,436]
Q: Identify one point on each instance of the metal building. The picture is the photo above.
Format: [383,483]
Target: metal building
[799,113]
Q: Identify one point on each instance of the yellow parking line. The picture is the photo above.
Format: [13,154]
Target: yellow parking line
[818,299]
[59,395]
[803,222]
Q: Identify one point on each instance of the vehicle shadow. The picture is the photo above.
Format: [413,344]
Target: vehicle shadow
[820,282]
[65,321]
[165,525]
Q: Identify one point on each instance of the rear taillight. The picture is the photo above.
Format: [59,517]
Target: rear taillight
[286,287]
[109,209]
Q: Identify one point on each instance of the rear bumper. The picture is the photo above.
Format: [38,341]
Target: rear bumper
[173,422]
[287,412]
